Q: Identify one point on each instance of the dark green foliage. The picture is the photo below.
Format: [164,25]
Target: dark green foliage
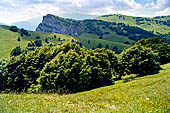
[19,39]
[138,60]
[24,32]
[46,40]
[159,46]
[13,28]
[38,43]
[59,39]
[25,69]
[76,70]
[127,42]
[37,37]
[3,78]
[88,41]
[117,51]
[16,51]
[107,46]
[31,44]
[55,36]
[99,45]
[72,40]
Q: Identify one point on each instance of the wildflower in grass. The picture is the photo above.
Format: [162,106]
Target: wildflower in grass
[48,102]
[147,98]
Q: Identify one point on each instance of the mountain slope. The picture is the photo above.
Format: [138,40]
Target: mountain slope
[119,30]
[144,94]
[160,24]
[8,39]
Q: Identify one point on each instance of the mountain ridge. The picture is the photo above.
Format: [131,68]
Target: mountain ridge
[108,27]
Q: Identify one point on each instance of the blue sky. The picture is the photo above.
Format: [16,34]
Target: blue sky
[21,10]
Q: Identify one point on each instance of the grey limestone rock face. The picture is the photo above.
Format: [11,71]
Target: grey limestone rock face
[54,24]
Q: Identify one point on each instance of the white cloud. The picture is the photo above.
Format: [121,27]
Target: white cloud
[20,10]
[165,12]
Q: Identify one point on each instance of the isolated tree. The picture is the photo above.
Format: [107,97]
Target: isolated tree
[158,46]
[16,51]
[19,39]
[13,28]
[88,41]
[46,40]
[107,46]
[99,45]
[38,43]
[138,60]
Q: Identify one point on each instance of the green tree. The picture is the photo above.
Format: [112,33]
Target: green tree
[138,60]
[3,77]
[99,45]
[19,39]
[16,51]
[38,43]
[158,46]
[13,28]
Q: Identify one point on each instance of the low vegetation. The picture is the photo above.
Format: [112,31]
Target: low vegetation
[144,94]
[70,68]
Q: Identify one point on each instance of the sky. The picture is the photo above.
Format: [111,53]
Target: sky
[21,10]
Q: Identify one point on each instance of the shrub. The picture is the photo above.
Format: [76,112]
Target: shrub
[13,28]
[38,43]
[3,78]
[159,46]
[16,51]
[76,71]
[25,68]
[128,78]
[24,32]
[19,39]
[138,60]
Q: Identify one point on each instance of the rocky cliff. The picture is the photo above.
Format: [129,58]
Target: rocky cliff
[59,25]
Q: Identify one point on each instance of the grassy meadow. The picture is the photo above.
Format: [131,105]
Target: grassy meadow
[147,25]
[8,40]
[148,94]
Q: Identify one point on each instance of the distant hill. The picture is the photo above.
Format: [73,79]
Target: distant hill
[9,39]
[122,30]
[30,24]
[159,24]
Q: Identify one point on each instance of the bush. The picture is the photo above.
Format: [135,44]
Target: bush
[16,51]
[3,78]
[128,78]
[76,71]
[13,28]
[25,68]
[138,60]
[159,46]
[24,32]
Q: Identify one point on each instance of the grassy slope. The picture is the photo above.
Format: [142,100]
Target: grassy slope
[145,94]
[94,43]
[8,40]
[132,21]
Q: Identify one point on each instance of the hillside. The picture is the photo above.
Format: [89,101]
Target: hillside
[8,39]
[144,94]
[119,29]
[160,24]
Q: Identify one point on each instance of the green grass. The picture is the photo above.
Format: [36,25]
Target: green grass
[94,43]
[8,40]
[149,94]
[129,20]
